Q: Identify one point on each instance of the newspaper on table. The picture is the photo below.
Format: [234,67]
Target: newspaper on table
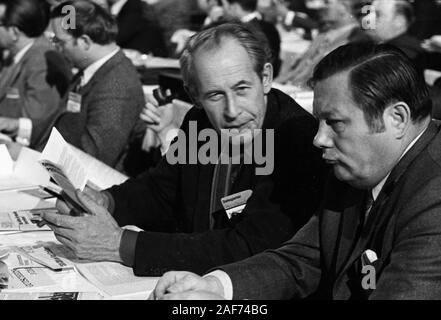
[51,296]
[22,221]
[117,280]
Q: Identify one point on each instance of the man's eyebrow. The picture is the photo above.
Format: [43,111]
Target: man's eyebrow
[241,82]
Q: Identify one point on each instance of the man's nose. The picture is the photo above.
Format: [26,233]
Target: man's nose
[231,110]
[323,137]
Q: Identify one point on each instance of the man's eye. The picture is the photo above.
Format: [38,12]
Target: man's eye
[337,125]
[242,90]
[215,96]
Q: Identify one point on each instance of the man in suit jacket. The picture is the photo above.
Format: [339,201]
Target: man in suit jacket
[34,78]
[179,203]
[106,97]
[377,234]
[138,27]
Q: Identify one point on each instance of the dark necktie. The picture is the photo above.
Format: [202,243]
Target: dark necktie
[369,202]
[75,85]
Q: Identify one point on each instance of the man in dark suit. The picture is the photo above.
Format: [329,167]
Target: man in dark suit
[182,203]
[106,97]
[33,78]
[138,27]
[377,234]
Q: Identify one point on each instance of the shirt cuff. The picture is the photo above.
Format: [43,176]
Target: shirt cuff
[289,18]
[24,131]
[127,247]
[225,280]
[167,140]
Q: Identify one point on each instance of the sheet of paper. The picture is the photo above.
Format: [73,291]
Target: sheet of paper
[115,279]
[6,163]
[59,157]
[98,173]
[45,257]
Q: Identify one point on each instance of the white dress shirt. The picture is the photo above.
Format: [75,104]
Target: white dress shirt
[94,67]
[225,279]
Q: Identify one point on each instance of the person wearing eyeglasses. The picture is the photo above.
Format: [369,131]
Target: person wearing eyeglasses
[33,77]
[105,97]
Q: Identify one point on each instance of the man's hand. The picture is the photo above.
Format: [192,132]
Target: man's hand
[95,236]
[9,126]
[159,119]
[182,284]
[97,196]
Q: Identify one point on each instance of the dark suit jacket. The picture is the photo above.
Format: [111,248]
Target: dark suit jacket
[41,78]
[139,29]
[111,103]
[403,229]
[172,202]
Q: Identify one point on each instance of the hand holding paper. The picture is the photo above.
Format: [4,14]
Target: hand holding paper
[95,236]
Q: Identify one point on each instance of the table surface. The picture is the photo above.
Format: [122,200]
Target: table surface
[66,281]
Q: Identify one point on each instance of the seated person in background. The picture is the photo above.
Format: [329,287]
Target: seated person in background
[377,233]
[34,76]
[179,204]
[105,97]
[340,26]
[246,12]
[138,27]
[392,21]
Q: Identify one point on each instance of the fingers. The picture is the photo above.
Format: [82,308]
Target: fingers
[58,220]
[188,282]
[150,115]
[88,202]
[63,207]
[152,100]
[168,279]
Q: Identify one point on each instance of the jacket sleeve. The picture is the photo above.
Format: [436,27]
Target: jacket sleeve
[292,271]
[414,270]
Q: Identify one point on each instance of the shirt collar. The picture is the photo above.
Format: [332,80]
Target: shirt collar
[377,189]
[251,16]
[116,8]
[94,67]
[22,52]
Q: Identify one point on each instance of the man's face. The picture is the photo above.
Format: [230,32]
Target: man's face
[384,19]
[359,156]
[229,90]
[331,11]
[6,36]
[66,43]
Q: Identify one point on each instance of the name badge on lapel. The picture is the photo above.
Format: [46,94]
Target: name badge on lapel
[12,93]
[74,103]
[368,258]
[235,203]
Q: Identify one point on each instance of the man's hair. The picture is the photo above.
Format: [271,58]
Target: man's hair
[247,5]
[379,74]
[90,19]
[404,8]
[30,16]
[251,40]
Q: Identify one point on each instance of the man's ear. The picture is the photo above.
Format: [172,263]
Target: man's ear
[84,42]
[267,77]
[15,33]
[399,117]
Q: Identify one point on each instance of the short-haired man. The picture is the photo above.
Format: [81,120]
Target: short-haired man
[105,97]
[182,206]
[377,234]
[34,78]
